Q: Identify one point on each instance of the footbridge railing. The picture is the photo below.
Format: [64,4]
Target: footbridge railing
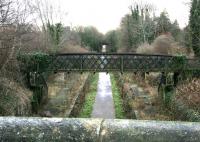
[98,62]
[105,62]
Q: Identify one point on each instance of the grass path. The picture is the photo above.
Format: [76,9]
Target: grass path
[90,98]
[119,112]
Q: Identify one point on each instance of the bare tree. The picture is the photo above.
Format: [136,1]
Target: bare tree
[14,15]
[47,13]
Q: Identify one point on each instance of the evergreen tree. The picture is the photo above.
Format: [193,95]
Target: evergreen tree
[175,30]
[55,32]
[163,23]
[91,37]
[113,40]
[195,26]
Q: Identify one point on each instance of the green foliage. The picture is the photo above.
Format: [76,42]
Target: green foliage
[195,26]
[36,99]
[130,31]
[55,32]
[112,38]
[119,112]
[90,37]
[90,98]
[35,62]
[168,95]
[175,30]
[186,38]
[178,62]
[163,23]
[140,27]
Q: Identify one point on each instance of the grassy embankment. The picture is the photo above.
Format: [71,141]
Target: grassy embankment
[90,98]
[119,112]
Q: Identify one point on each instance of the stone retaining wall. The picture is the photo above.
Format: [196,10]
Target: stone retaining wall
[96,130]
[79,99]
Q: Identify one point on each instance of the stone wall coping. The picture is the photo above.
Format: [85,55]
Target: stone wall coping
[96,130]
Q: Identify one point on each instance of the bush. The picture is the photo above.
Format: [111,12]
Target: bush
[33,62]
[164,45]
[145,48]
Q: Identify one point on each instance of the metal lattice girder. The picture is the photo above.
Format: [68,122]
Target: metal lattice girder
[99,62]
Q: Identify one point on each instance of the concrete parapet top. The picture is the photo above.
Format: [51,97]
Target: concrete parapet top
[96,130]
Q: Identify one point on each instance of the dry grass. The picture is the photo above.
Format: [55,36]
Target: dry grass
[152,111]
[145,48]
[72,49]
[14,99]
[122,50]
[163,44]
[189,93]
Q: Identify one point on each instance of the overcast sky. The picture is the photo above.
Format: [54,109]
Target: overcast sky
[106,15]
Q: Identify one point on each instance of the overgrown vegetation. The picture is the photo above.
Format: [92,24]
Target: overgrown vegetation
[91,38]
[90,98]
[179,62]
[119,112]
[35,62]
[55,32]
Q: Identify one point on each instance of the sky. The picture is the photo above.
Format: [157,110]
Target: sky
[106,15]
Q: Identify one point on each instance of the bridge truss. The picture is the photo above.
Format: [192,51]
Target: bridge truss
[99,62]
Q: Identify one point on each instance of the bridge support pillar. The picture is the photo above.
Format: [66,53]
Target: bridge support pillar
[167,90]
[39,87]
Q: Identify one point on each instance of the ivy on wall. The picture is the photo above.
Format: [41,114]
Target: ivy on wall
[178,62]
[35,62]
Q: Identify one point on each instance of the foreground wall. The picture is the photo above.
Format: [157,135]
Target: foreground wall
[96,130]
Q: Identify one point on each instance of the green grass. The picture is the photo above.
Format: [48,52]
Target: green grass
[119,112]
[90,98]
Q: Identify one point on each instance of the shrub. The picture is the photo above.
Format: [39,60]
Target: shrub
[164,45]
[145,48]
[36,61]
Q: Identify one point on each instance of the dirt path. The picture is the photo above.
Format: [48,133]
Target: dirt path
[104,105]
